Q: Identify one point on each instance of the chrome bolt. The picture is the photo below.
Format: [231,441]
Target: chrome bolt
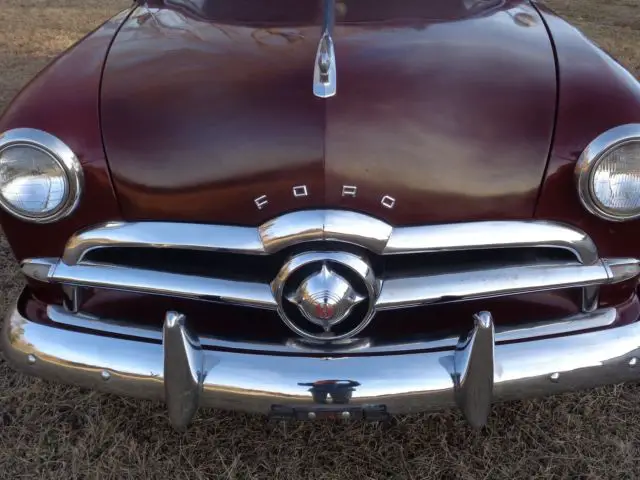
[105,375]
[31,359]
[346,415]
[555,377]
[633,361]
[311,415]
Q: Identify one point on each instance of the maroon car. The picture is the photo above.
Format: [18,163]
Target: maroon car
[312,209]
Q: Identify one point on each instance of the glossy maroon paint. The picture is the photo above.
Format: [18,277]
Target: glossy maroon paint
[207,110]
[63,100]
[200,118]
[448,110]
[452,118]
[596,94]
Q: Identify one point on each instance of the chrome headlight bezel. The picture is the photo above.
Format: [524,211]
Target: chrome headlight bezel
[62,155]
[588,162]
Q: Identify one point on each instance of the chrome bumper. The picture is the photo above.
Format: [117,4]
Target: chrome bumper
[179,370]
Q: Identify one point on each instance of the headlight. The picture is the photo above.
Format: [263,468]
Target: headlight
[608,174]
[40,177]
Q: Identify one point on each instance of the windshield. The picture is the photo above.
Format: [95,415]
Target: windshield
[307,12]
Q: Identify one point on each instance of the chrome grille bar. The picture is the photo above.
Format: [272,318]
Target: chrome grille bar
[560,326]
[139,280]
[334,225]
[188,236]
[452,287]
[395,293]
[588,272]
[492,235]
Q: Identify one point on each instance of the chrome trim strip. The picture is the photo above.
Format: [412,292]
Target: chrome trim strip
[331,225]
[601,318]
[163,283]
[621,269]
[492,234]
[589,160]
[62,154]
[292,228]
[336,225]
[86,321]
[491,282]
[395,292]
[38,268]
[188,236]
[252,382]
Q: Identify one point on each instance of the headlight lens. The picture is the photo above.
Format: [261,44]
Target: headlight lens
[40,177]
[608,174]
[616,180]
[32,181]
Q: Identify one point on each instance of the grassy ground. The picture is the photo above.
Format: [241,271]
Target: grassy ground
[54,431]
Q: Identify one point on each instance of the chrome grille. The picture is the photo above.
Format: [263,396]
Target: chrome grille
[333,225]
[573,262]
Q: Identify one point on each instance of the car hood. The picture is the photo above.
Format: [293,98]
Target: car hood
[444,112]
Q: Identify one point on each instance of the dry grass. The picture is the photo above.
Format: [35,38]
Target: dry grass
[54,431]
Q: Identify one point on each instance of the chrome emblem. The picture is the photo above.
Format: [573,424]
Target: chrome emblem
[324,71]
[326,296]
[301,191]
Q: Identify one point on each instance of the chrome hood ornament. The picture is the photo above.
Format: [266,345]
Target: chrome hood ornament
[325,298]
[324,71]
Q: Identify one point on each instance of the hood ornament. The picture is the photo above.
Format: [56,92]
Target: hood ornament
[324,71]
[325,298]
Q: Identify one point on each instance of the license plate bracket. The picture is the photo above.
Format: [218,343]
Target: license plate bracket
[370,413]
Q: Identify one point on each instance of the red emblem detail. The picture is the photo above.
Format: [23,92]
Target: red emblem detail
[324,311]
